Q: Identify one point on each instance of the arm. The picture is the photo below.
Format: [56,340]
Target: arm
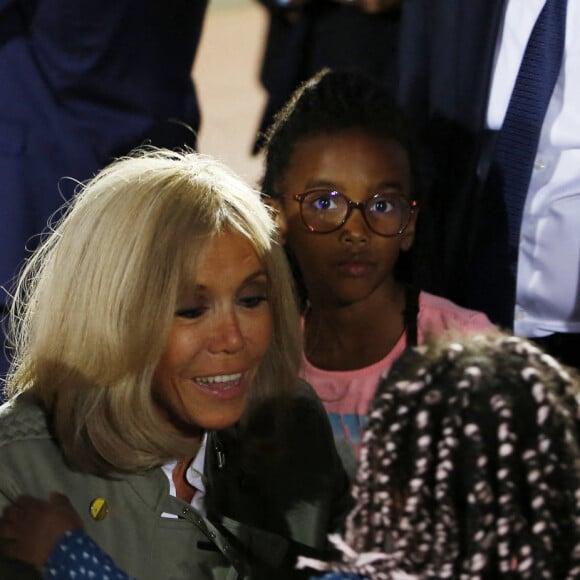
[50,534]
[76,549]
[30,528]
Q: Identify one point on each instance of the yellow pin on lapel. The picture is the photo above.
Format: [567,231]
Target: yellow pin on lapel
[99,509]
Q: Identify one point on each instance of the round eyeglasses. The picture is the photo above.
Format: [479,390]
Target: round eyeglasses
[324,211]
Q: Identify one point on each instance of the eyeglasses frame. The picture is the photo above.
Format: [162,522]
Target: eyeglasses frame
[360,205]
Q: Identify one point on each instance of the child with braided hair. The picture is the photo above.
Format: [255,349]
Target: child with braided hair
[341,169]
[469,468]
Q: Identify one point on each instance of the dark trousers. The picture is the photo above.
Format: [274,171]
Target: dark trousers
[563,346]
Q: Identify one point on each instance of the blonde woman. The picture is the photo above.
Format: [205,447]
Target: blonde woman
[154,381]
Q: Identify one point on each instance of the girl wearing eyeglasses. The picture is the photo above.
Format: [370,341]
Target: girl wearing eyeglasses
[340,169]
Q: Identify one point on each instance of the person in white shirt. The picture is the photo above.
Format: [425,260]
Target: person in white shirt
[459,63]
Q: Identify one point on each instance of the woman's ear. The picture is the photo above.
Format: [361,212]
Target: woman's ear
[280,217]
[408,236]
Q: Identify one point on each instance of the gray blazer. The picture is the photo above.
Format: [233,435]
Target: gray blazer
[274,489]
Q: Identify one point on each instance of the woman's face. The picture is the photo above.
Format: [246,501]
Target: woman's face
[347,265]
[221,330]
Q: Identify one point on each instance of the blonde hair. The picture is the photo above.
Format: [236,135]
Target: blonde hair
[94,304]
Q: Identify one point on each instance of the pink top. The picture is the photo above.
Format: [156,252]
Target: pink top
[347,395]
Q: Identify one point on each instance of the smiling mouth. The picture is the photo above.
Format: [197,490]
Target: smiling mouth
[219,382]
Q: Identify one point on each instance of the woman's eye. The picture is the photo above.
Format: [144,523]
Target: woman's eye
[190,312]
[253,301]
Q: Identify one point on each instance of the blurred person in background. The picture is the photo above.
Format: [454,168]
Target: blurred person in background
[82,83]
[305,36]
[494,86]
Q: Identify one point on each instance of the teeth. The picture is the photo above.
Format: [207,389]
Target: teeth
[217,379]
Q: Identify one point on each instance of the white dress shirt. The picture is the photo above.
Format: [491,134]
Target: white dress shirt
[194,476]
[548,277]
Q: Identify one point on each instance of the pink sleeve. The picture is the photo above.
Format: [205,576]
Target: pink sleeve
[477,321]
[437,315]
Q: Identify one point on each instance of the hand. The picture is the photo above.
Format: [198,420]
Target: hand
[30,528]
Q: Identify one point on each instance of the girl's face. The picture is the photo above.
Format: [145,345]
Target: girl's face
[221,331]
[353,262]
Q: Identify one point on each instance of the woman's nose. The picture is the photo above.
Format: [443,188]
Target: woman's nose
[227,334]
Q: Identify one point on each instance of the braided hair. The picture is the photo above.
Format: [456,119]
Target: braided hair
[470,466]
[330,102]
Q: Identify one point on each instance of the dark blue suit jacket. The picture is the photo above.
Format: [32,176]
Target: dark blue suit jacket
[323,34]
[83,81]
[446,62]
